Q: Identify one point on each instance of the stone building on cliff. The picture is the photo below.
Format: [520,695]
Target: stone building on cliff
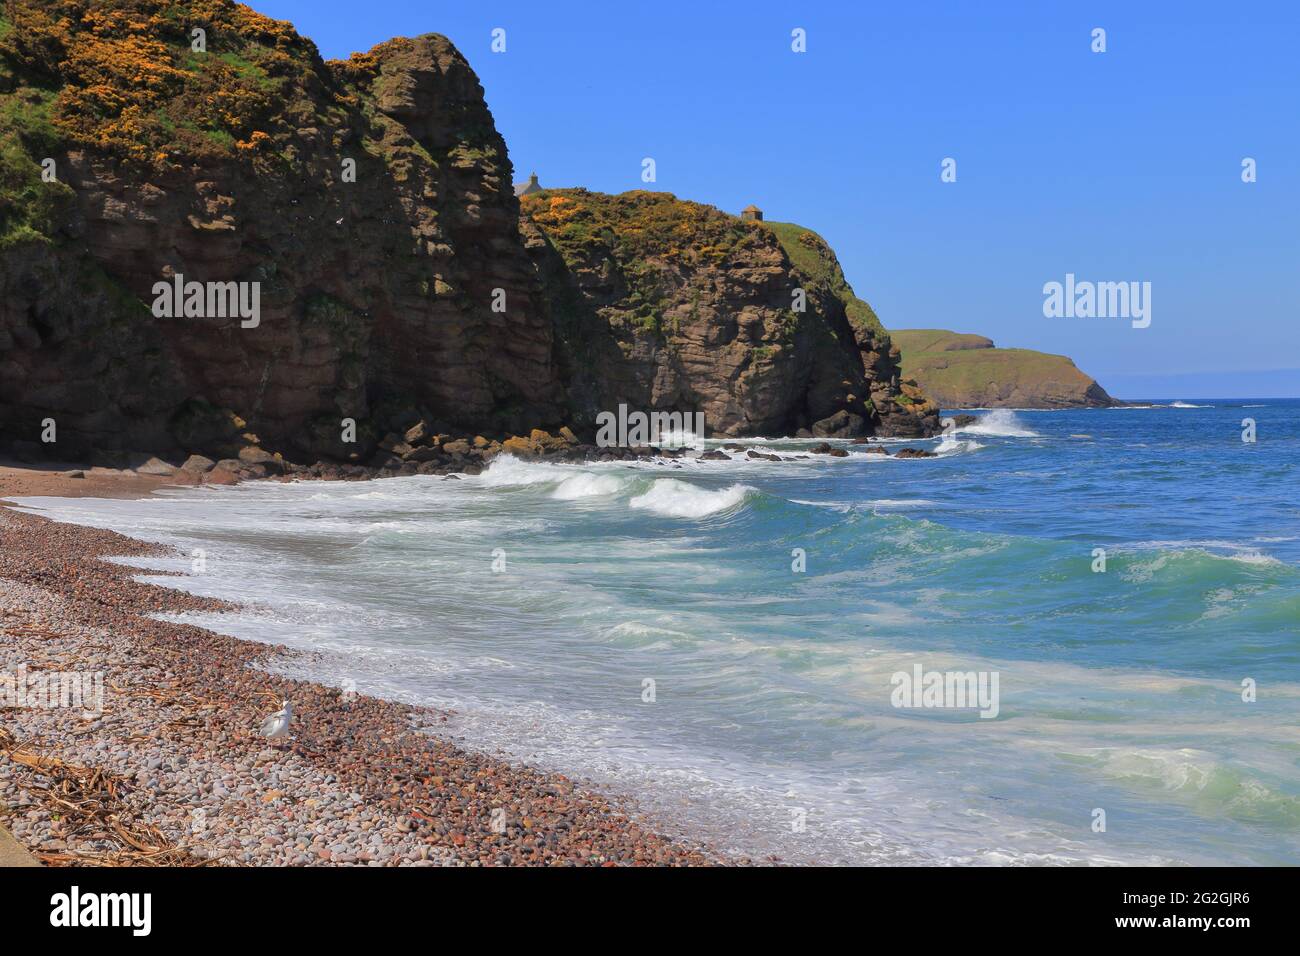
[528,188]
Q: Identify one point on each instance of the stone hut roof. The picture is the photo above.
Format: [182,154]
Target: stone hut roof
[532,186]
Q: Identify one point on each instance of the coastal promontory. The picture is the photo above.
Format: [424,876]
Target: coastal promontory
[960,370]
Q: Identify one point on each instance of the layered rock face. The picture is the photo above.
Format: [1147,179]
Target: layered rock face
[671,305]
[900,404]
[960,370]
[369,204]
[236,164]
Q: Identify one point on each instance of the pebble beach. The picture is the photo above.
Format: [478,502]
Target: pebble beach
[172,770]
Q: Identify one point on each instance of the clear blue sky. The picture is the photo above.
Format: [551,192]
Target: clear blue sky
[1118,166]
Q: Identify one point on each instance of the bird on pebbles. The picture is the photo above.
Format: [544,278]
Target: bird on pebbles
[276,727]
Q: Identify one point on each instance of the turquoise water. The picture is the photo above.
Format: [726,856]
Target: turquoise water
[1119,690]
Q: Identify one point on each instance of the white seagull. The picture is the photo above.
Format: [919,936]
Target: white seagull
[277,725]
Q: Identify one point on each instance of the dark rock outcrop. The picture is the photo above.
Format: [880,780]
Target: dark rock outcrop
[376,294]
[369,203]
[671,305]
[898,404]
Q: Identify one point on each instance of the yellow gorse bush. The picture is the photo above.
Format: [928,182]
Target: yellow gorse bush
[128,81]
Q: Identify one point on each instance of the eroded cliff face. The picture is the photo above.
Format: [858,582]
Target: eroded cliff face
[369,201]
[232,165]
[672,305]
[901,405]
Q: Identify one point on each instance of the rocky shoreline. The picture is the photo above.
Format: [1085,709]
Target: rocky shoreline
[418,452]
[172,770]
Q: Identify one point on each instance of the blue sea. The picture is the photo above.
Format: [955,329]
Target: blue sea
[645,627]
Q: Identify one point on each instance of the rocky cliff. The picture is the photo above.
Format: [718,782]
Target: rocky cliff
[369,202]
[667,304]
[235,164]
[899,401]
[966,371]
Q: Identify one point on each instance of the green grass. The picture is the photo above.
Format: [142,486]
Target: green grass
[959,369]
[812,256]
[29,206]
[26,112]
[937,340]
[975,369]
[249,70]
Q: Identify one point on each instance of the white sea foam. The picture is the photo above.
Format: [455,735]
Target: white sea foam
[950,446]
[681,499]
[774,721]
[1143,571]
[680,439]
[842,506]
[1244,553]
[1000,422]
[1175,544]
[1252,557]
[588,485]
[1198,774]
[508,471]
[639,634]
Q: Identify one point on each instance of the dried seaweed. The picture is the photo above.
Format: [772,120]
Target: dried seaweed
[89,803]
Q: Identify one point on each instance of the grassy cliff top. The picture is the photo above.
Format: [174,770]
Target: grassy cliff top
[637,226]
[965,370]
[812,256]
[650,238]
[939,340]
[123,77]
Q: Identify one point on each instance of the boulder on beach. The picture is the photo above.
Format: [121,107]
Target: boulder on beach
[842,424]
[515,445]
[424,453]
[221,476]
[158,467]
[198,465]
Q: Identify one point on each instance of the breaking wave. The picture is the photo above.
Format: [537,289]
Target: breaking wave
[681,499]
[1000,422]
[587,485]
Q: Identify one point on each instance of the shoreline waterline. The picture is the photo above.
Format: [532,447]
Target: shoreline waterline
[768,603]
[366,782]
